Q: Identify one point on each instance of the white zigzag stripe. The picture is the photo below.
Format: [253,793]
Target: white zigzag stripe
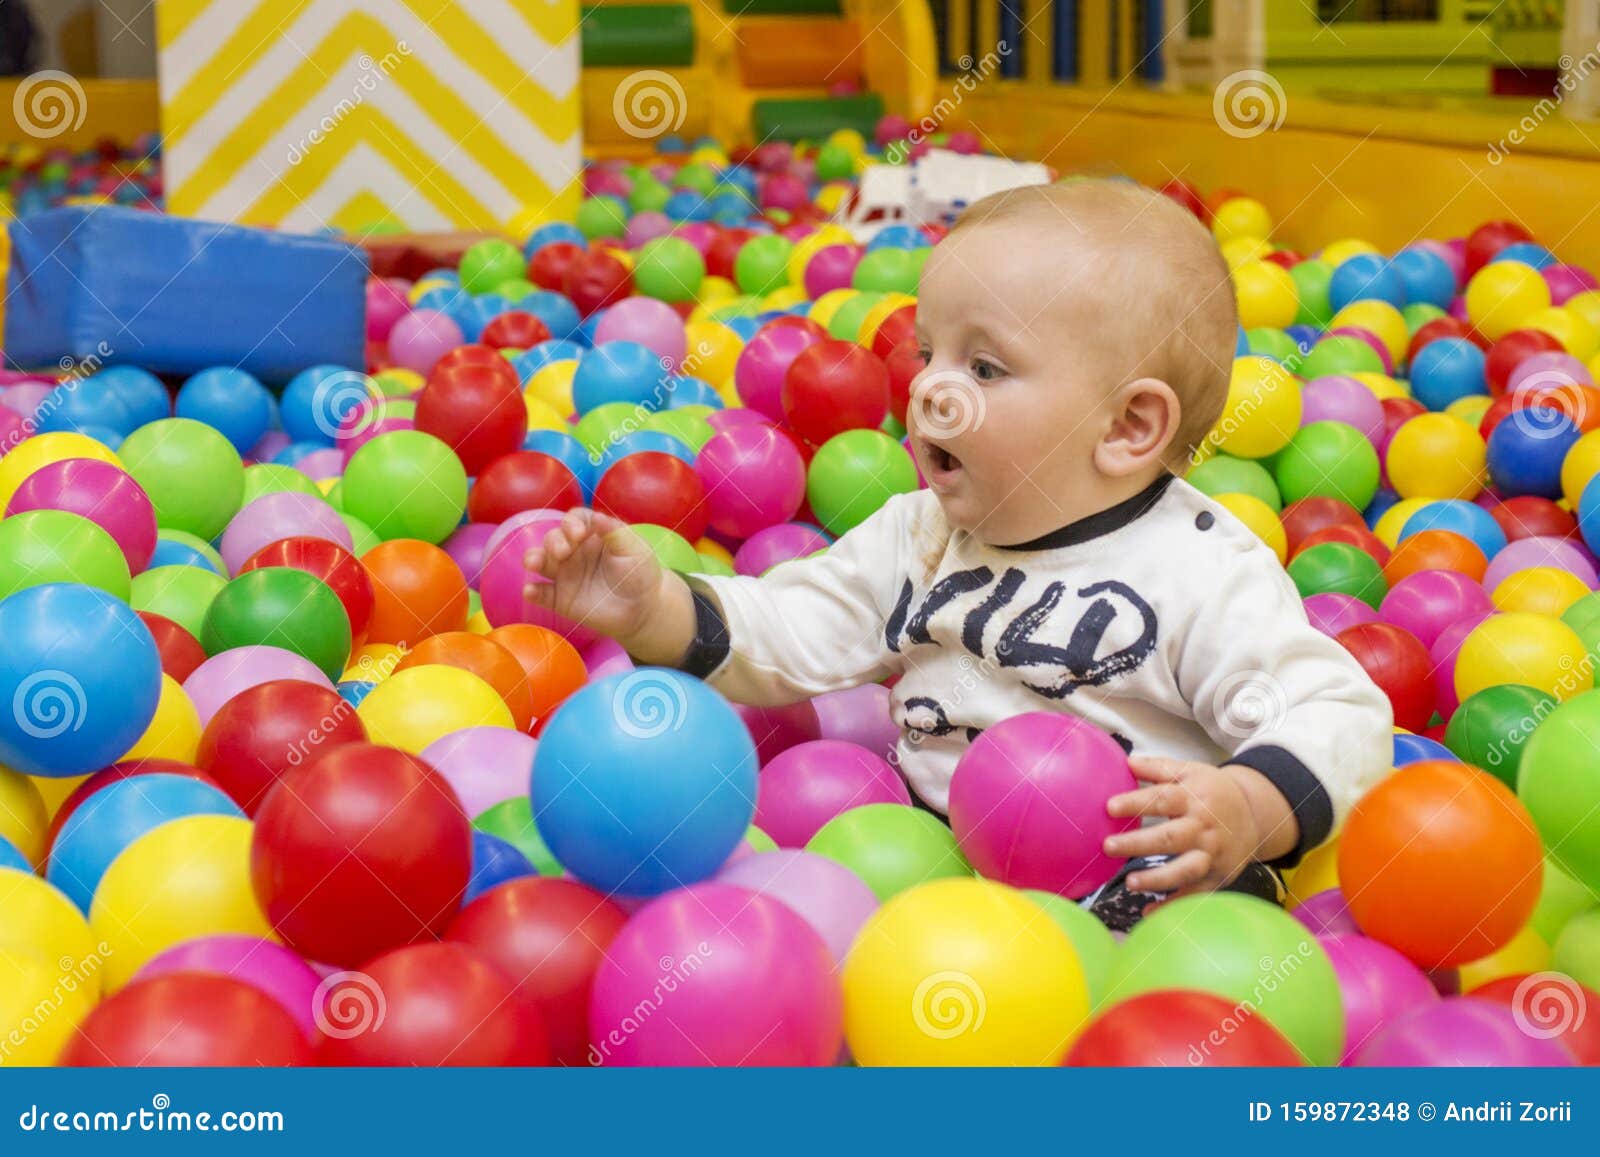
[366,170]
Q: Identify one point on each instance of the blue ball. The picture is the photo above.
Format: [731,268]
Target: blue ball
[115,816]
[1425,276]
[618,371]
[741,177]
[232,401]
[530,362]
[353,691]
[1447,369]
[1379,506]
[81,676]
[1467,519]
[687,205]
[550,234]
[316,401]
[729,208]
[444,298]
[672,143]
[1303,336]
[104,435]
[644,781]
[1416,748]
[584,334]
[473,314]
[692,392]
[295,451]
[12,857]
[1364,277]
[90,402]
[559,315]
[1526,450]
[745,327]
[1589,513]
[140,391]
[567,450]
[494,861]
[169,552]
[1528,253]
[899,237]
[1241,344]
[442,273]
[640,442]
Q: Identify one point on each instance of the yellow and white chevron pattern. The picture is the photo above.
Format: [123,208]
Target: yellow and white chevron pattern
[433,114]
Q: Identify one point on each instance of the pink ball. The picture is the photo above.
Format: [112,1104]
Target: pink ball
[267,449]
[1327,914]
[605,657]
[468,545]
[503,578]
[775,730]
[1338,398]
[733,978]
[831,898]
[737,416]
[1331,612]
[387,303]
[1370,338]
[421,338]
[964,142]
[859,715]
[783,191]
[603,182]
[771,156]
[832,267]
[1028,803]
[273,517]
[13,429]
[811,783]
[753,477]
[1427,602]
[24,397]
[1459,1032]
[1546,369]
[765,549]
[758,374]
[319,464]
[1540,550]
[891,128]
[228,673]
[485,765]
[653,324]
[1458,308]
[100,492]
[1567,281]
[263,965]
[1377,986]
[645,227]
[700,234]
[1443,654]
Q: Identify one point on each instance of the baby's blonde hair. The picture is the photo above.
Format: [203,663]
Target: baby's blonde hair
[1165,291]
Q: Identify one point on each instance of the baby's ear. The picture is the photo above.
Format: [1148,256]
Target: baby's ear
[1145,414]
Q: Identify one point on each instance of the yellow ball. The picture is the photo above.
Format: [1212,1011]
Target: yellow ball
[1259,518]
[802,253]
[1241,251]
[962,972]
[24,819]
[326,485]
[1381,385]
[1518,647]
[850,140]
[1392,521]
[414,707]
[1437,456]
[709,155]
[1470,409]
[1262,411]
[714,289]
[1580,465]
[1503,295]
[1266,295]
[831,197]
[373,663]
[174,733]
[54,790]
[479,624]
[714,550]
[36,916]
[1576,335]
[552,385]
[1336,253]
[1526,953]
[783,298]
[711,351]
[542,415]
[1241,217]
[397,382]
[1380,319]
[187,878]
[43,450]
[1586,305]
[40,1008]
[878,314]
[1318,872]
[1539,590]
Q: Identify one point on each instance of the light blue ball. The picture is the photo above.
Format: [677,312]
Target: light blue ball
[317,400]
[11,857]
[618,371]
[1447,369]
[687,205]
[684,391]
[1365,277]
[1467,519]
[1426,276]
[567,450]
[140,391]
[353,691]
[76,404]
[230,400]
[559,315]
[529,362]
[1526,252]
[899,237]
[550,234]
[170,552]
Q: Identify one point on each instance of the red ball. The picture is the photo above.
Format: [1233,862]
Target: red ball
[900,326]
[1488,239]
[187,1020]
[474,354]
[1399,664]
[525,480]
[1527,516]
[1189,197]
[110,775]
[261,734]
[1511,351]
[1286,258]
[834,386]
[476,410]
[1304,518]
[515,329]
[1551,1001]
[595,280]
[443,1004]
[549,936]
[548,268]
[650,486]
[904,363]
[724,251]
[1178,1028]
[180,651]
[358,850]
[330,562]
[1357,536]
[1397,412]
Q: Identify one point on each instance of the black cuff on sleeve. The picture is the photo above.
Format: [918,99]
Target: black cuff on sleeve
[710,646]
[1312,806]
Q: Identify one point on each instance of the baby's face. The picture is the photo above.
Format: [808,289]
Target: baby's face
[1005,418]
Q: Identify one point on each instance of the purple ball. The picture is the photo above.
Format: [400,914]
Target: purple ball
[24,397]
[1377,986]
[273,517]
[100,492]
[229,673]
[1332,612]
[832,898]
[1427,602]
[646,227]
[1541,550]
[319,464]
[267,448]
[1327,914]
[265,966]
[485,765]
[859,715]
[653,324]
[421,338]
[1459,1032]
[1338,398]
[13,430]
[468,546]
[809,784]
[765,549]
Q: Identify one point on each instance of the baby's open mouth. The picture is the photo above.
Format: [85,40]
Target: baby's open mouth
[941,460]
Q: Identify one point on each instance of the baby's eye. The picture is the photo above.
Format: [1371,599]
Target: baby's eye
[925,354]
[986,371]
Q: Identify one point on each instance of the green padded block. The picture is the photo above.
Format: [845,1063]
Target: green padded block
[634,35]
[783,7]
[815,118]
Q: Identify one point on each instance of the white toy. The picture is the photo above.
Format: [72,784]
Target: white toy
[933,189]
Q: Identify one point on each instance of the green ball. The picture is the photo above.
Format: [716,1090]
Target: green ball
[514,289]
[1490,729]
[1311,280]
[1577,949]
[335,496]
[1339,355]
[192,474]
[893,427]
[199,545]
[690,429]
[1559,784]
[600,217]
[887,271]
[892,847]
[696,175]
[487,263]
[762,265]
[1560,899]
[853,474]
[710,564]
[1244,950]
[181,593]
[1331,460]
[670,269]
[512,821]
[278,606]
[360,534]
[1583,617]
[474,602]
[269,478]
[1338,568]
[648,195]
[1095,945]
[406,484]
[1271,343]
[834,163]
[1419,314]
[847,320]
[1225,474]
[602,425]
[53,546]
[671,549]
[759,840]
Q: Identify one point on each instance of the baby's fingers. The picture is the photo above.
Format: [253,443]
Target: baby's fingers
[1183,872]
[1172,838]
[1164,799]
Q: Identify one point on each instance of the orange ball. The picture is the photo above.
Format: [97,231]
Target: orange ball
[1442,862]
[1435,550]
[555,669]
[484,658]
[418,590]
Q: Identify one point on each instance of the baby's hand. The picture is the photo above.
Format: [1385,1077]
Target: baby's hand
[1219,819]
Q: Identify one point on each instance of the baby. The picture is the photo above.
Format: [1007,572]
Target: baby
[1077,341]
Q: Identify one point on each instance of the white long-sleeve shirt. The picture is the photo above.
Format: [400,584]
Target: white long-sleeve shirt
[1162,620]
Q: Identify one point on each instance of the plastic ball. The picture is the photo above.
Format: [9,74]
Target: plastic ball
[1534,650]
[52,546]
[1461,1032]
[1427,602]
[1446,370]
[1436,456]
[1179,1028]
[475,410]
[669,269]
[1399,664]
[191,474]
[230,401]
[99,492]
[553,666]
[647,322]
[331,564]
[655,488]
[1240,217]
[834,386]
[1540,590]
[1502,295]
[1328,459]
[853,474]
[1224,474]
[1262,412]
[1266,295]
[406,484]
[891,847]
[1460,517]
[1338,568]
[415,707]
[259,735]
[764,362]
[809,784]
[280,607]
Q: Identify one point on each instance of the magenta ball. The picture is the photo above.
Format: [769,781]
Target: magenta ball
[1567,281]
[1327,914]
[501,582]
[891,128]
[270,968]
[485,765]
[1427,602]
[832,267]
[1548,368]
[273,517]
[228,673]
[1541,550]
[732,977]
[765,549]
[653,324]
[1459,1032]
[737,416]
[1028,803]
[775,730]
[700,234]
[809,784]
[13,430]
[753,478]
[319,464]
[1338,398]
[387,303]
[599,181]
[759,372]
[646,227]
[785,191]
[964,142]
[467,546]
[1443,656]
[605,657]
[1377,986]
[831,898]
[1458,308]
[421,338]
[100,492]
[859,715]
[1332,612]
